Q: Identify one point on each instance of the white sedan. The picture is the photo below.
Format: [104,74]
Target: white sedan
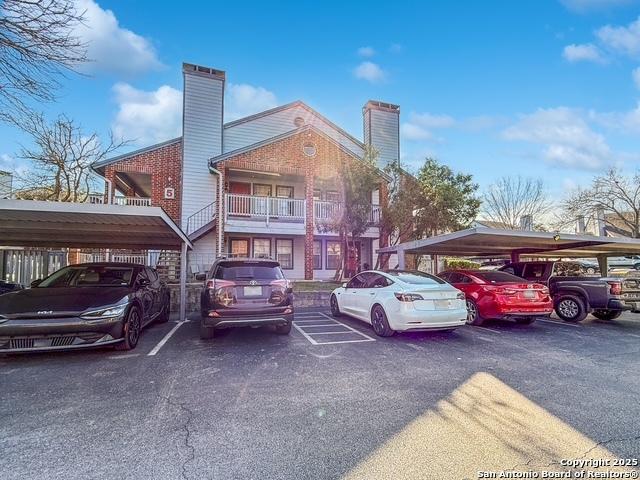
[400,301]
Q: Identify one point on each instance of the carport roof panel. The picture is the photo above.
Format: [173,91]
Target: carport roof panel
[82,225]
[492,242]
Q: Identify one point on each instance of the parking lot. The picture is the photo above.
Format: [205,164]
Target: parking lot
[331,400]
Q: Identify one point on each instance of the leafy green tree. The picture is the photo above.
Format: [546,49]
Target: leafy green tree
[448,200]
[359,179]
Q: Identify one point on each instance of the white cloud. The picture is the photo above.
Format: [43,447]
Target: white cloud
[420,125]
[242,100]
[628,122]
[396,48]
[585,52]
[147,117]
[366,52]
[636,77]
[110,47]
[566,138]
[370,72]
[584,6]
[624,40]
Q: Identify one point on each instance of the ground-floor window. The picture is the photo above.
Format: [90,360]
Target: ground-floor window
[239,247]
[333,255]
[284,252]
[261,248]
[317,255]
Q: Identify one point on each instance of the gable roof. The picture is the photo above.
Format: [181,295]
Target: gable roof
[98,166]
[225,156]
[108,161]
[287,106]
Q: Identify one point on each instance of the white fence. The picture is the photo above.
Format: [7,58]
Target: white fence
[25,266]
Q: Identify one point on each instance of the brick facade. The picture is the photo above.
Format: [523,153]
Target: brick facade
[287,156]
[164,164]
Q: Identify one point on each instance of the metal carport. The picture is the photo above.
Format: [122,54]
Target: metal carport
[31,223]
[493,243]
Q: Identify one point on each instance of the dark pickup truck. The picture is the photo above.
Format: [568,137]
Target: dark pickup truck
[574,297]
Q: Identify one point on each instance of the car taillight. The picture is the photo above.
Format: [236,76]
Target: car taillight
[616,288]
[408,297]
[502,290]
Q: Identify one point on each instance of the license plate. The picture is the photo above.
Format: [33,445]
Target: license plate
[529,294]
[252,291]
[443,304]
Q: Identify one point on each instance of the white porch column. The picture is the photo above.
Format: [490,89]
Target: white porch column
[401,259]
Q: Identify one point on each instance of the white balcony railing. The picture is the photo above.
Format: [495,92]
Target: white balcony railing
[251,206]
[324,211]
[129,201]
[113,257]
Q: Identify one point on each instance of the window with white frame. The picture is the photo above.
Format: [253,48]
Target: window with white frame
[284,252]
[317,255]
[261,248]
[333,255]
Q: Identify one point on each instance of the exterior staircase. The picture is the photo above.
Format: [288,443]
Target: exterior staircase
[202,221]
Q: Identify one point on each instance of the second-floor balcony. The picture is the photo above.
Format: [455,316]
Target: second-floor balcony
[268,209]
[120,200]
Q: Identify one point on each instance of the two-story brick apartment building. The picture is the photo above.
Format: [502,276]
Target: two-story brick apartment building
[261,185]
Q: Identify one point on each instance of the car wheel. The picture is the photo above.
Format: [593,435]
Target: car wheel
[131,330]
[606,314]
[380,323]
[571,308]
[335,308]
[526,320]
[590,271]
[473,314]
[283,329]
[206,332]
[164,313]
[637,266]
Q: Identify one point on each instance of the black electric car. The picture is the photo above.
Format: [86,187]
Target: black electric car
[242,292]
[85,305]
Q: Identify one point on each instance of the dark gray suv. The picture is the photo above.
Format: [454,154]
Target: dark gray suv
[240,292]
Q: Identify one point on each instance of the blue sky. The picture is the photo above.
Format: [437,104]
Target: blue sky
[542,88]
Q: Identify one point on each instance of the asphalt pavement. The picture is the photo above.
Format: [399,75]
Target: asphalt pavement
[329,401]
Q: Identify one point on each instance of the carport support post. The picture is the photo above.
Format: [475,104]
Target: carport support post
[603,263]
[401,259]
[183,282]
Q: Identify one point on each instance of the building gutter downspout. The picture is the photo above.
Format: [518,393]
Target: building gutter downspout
[220,209]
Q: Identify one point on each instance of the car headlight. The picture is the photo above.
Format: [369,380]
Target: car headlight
[105,313]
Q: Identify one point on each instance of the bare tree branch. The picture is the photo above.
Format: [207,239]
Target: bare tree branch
[62,157]
[511,198]
[37,48]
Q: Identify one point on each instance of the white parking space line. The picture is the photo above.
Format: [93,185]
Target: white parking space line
[166,338]
[304,334]
[489,329]
[558,323]
[306,325]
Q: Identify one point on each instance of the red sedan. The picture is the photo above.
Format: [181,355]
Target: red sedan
[500,295]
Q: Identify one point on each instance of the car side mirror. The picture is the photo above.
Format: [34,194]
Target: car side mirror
[144,282]
[344,285]
[201,277]
[35,283]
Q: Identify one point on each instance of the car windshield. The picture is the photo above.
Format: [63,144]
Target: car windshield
[416,278]
[88,276]
[497,277]
[248,271]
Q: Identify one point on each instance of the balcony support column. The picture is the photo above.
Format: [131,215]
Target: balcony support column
[309,219]
[383,240]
